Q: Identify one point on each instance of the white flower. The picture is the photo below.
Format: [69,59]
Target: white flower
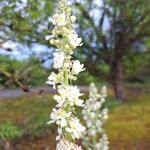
[75,128]
[59,100]
[73,95]
[48,37]
[66,145]
[103,143]
[52,41]
[59,130]
[58,60]
[74,39]
[69,94]
[93,114]
[104,114]
[79,102]
[77,67]
[92,132]
[52,80]
[104,92]
[67,64]
[60,117]
[59,19]
[76,147]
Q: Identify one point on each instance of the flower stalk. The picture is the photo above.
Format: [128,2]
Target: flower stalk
[65,39]
[95,115]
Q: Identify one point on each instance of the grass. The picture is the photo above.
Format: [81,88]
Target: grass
[30,112]
[128,126]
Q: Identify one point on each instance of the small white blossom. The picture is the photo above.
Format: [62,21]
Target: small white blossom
[59,19]
[59,130]
[77,67]
[52,41]
[52,80]
[48,37]
[103,143]
[60,117]
[58,60]
[74,39]
[75,128]
[66,145]
[69,94]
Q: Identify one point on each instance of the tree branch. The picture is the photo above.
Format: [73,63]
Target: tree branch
[25,88]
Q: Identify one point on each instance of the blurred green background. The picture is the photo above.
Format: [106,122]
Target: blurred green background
[116,53]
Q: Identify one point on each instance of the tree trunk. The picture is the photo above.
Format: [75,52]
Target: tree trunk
[117,80]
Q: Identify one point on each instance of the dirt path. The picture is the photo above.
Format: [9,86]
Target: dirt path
[14,93]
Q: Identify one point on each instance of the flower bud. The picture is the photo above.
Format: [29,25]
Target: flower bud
[73,19]
[65,29]
[57,41]
[67,46]
[52,41]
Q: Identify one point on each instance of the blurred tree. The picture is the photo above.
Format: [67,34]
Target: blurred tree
[24,21]
[22,73]
[114,32]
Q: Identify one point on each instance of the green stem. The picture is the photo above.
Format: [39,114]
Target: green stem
[94,140]
[66,77]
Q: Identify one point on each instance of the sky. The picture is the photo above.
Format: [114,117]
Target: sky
[22,52]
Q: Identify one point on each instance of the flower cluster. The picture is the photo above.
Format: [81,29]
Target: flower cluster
[95,116]
[65,39]
[66,145]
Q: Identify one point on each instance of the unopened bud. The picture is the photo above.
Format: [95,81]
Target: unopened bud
[73,19]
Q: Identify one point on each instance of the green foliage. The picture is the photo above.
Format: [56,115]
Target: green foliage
[138,67]
[31,113]
[37,74]
[22,21]
[37,124]
[120,32]
[8,131]
[85,78]
[111,104]
[10,64]
[28,72]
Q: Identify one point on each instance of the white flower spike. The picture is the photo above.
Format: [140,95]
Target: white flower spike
[65,39]
[95,116]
